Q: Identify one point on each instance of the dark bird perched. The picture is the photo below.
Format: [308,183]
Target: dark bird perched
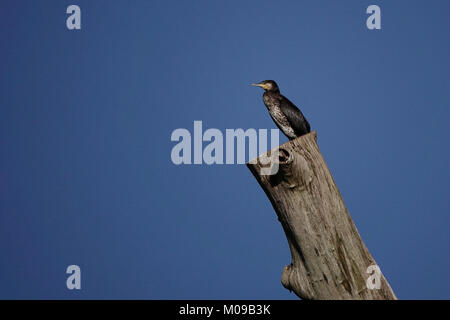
[286,115]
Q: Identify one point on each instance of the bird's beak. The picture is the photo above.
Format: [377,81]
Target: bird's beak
[259,85]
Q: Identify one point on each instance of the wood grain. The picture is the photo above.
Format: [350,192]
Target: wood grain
[329,258]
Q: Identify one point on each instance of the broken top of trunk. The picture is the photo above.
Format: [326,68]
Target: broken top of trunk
[329,259]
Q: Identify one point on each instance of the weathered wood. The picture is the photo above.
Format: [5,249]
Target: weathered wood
[329,259]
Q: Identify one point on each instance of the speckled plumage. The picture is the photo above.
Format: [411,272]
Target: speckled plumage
[289,119]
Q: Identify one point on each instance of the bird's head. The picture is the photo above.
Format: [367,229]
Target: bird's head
[268,85]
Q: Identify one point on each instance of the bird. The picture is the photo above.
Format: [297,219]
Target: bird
[288,118]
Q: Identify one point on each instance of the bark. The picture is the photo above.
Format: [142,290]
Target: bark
[329,258]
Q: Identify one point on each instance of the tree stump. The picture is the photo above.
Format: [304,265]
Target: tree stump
[329,258]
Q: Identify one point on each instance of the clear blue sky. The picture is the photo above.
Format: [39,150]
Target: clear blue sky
[86,117]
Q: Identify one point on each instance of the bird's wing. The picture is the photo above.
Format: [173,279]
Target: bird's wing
[294,116]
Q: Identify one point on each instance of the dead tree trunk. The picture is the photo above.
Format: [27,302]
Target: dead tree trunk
[329,259]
